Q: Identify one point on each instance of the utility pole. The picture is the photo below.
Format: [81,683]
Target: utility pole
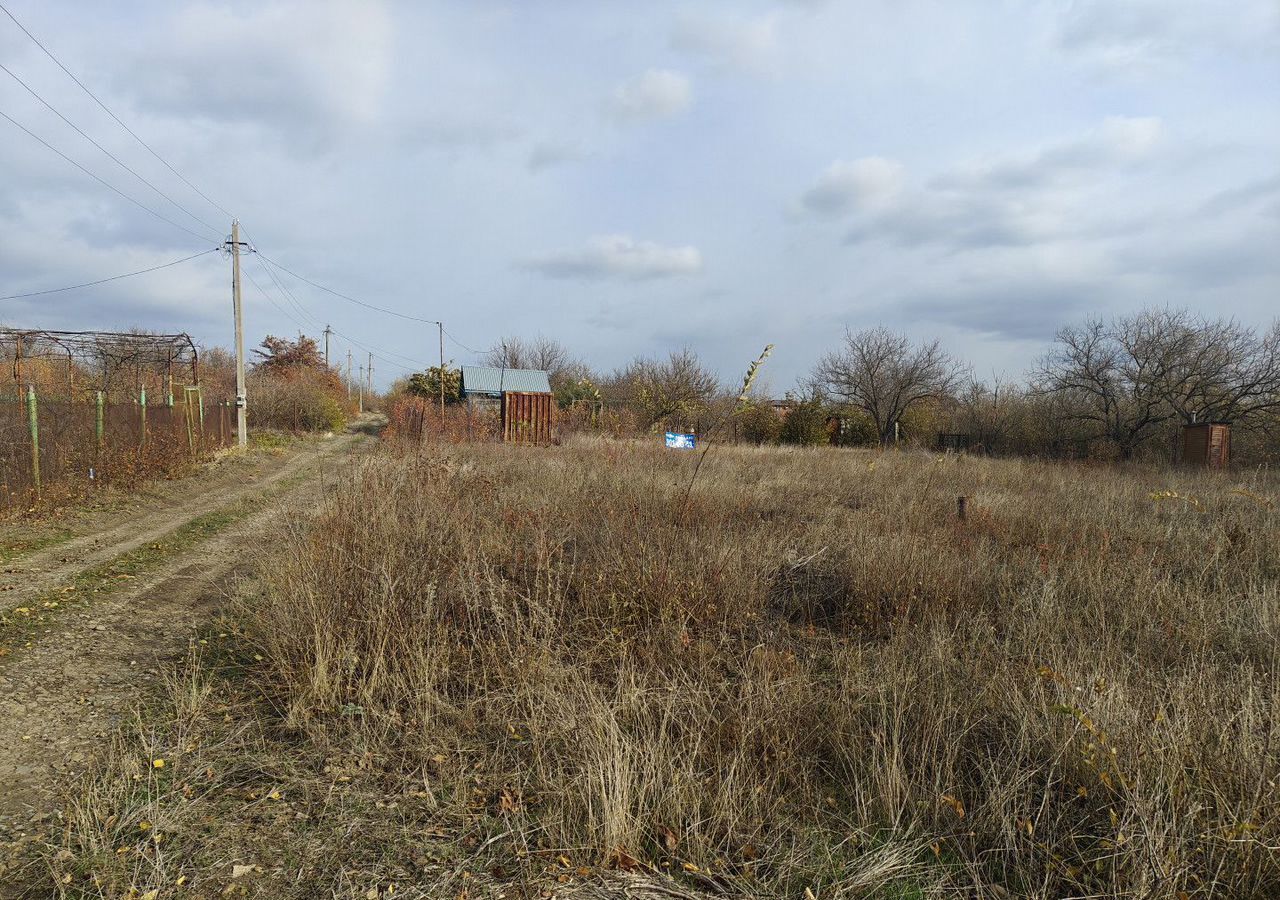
[348,374]
[369,375]
[242,419]
[327,331]
[440,325]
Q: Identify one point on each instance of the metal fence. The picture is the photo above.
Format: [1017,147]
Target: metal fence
[56,449]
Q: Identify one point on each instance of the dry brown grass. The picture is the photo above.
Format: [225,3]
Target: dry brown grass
[810,675]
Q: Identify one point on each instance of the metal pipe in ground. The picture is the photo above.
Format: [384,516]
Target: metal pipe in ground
[33,423]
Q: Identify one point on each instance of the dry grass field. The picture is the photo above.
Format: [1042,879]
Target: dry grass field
[484,670]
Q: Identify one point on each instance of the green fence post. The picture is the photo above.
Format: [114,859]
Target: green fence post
[190,417]
[142,412]
[33,422]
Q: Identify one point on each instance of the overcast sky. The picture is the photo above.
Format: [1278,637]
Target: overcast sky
[633,177]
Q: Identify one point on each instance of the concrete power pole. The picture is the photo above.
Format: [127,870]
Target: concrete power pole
[369,376]
[348,374]
[440,325]
[327,331]
[242,417]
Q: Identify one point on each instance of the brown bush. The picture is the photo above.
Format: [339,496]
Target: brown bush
[305,401]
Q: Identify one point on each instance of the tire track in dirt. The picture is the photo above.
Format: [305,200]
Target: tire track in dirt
[47,569]
[65,695]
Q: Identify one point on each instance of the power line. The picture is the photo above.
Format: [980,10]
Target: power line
[378,353]
[101,180]
[111,278]
[111,155]
[120,122]
[390,312]
[328,290]
[460,344]
[284,292]
[269,299]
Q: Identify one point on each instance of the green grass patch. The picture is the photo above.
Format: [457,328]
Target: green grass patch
[38,539]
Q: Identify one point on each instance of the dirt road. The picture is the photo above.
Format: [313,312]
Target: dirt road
[68,682]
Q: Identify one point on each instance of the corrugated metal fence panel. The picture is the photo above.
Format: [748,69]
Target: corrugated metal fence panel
[1207,444]
[527,418]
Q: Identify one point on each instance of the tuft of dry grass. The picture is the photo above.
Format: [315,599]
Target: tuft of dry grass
[810,676]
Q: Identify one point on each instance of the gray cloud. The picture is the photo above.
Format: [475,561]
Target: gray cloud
[618,256]
[866,183]
[1019,309]
[448,132]
[302,72]
[1139,34]
[547,155]
[1118,141]
[1259,191]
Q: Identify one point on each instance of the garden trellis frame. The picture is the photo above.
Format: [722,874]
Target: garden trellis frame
[97,360]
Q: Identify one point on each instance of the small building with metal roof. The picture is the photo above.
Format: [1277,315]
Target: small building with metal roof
[521,397]
[491,382]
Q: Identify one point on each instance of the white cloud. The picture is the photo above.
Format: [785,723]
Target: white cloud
[619,256]
[868,183]
[740,43]
[655,94]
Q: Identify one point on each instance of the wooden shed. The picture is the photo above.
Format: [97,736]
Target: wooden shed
[1207,444]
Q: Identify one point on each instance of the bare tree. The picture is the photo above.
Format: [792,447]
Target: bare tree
[1217,369]
[1113,378]
[544,353]
[881,373]
[660,390]
[1129,378]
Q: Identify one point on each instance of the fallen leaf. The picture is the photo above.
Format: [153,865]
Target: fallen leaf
[955,804]
[239,871]
[623,860]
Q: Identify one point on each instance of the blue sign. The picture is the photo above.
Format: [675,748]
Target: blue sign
[677,441]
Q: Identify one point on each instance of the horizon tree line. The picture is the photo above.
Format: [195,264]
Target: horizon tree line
[1114,386]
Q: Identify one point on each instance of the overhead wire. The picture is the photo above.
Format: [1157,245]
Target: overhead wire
[272,301]
[73,287]
[329,290]
[109,154]
[103,181]
[119,121]
[188,183]
[366,305]
[378,353]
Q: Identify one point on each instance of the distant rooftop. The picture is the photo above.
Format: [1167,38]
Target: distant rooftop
[491,380]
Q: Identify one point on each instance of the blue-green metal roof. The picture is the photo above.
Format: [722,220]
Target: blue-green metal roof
[494,381]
